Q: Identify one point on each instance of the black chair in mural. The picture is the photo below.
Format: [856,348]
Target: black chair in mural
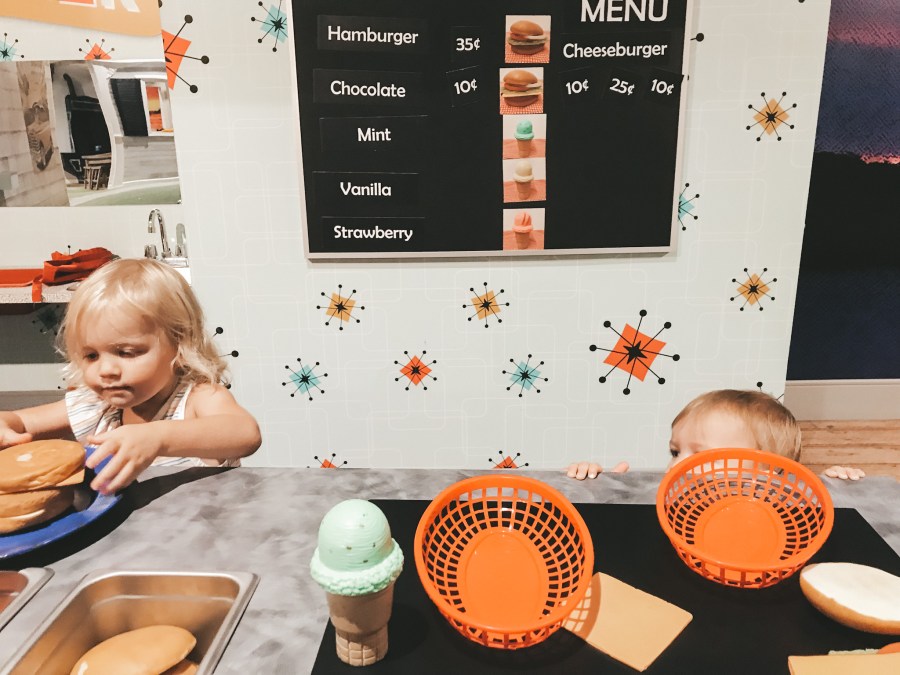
[88,131]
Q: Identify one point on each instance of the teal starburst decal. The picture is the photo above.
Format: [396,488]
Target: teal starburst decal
[525,376]
[305,380]
[275,24]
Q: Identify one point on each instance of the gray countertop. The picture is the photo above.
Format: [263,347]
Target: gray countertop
[265,521]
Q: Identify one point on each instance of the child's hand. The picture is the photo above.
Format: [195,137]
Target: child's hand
[582,470]
[132,448]
[8,437]
[845,472]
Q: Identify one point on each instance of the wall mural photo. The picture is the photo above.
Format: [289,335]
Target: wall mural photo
[94,132]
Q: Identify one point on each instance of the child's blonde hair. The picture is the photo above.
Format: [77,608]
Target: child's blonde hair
[772,425]
[152,291]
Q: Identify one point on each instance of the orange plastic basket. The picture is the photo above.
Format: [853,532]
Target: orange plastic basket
[744,518]
[504,558]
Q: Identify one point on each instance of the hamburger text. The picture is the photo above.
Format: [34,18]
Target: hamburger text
[369,35]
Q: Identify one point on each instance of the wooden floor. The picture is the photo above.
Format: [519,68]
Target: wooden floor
[871,445]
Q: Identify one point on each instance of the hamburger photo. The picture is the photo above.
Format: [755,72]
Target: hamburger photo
[520,87]
[526,37]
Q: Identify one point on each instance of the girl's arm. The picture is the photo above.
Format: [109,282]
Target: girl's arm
[215,427]
[44,421]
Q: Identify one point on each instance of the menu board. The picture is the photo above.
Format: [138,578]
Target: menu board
[509,127]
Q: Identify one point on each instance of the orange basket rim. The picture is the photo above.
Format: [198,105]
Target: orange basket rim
[548,492]
[760,456]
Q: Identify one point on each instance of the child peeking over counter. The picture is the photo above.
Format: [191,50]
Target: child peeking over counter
[728,418]
[149,380]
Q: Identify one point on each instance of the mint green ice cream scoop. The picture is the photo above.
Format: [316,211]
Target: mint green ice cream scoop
[356,554]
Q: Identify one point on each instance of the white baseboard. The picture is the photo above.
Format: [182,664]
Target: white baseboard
[843,399]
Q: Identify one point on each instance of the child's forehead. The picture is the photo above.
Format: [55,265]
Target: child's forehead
[711,416]
[111,325]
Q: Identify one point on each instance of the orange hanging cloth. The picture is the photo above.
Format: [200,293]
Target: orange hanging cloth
[63,268]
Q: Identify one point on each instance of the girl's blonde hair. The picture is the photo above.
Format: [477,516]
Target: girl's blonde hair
[772,425]
[154,292]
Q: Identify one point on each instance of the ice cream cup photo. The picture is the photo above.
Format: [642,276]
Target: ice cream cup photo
[356,563]
[524,179]
[527,39]
[524,136]
[523,229]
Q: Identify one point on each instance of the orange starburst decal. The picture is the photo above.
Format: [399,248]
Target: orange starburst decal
[415,370]
[175,48]
[635,352]
[772,116]
[754,289]
[340,307]
[486,305]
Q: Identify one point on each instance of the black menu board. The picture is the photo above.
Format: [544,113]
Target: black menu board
[509,127]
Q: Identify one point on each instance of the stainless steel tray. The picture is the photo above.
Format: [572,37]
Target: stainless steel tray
[17,588]
[107,603]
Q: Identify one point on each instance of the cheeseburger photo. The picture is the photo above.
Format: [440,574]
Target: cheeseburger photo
[527,36]
[520,87]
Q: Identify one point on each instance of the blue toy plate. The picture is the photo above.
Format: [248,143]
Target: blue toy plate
[24,542]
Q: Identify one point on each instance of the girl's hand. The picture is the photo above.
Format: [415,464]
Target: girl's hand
[582,470]
[132,447]
[8,437]
[845,472]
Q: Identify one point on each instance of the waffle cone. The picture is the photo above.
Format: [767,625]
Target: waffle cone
[360,625]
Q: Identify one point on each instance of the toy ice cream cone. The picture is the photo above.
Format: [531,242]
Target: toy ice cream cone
[361,625]
[522,228]
[524,178]
[357,563]
[524,137]
[524,147]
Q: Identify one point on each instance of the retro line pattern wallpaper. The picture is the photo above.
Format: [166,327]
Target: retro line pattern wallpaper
[502,363]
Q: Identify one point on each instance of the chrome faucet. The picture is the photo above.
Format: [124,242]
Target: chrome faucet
[156,216]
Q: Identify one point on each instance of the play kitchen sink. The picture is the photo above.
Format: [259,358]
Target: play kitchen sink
[17,588]
[104,604]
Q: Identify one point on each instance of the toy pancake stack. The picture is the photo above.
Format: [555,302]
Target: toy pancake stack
[37,482]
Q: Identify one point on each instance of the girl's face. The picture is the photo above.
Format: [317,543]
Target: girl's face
[127,362]
[706,431]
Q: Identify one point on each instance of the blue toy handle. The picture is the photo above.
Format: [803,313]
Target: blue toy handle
[88,451]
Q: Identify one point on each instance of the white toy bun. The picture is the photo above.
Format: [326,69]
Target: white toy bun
[858,596]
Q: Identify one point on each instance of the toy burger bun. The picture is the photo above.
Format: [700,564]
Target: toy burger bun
[520,88]
[858,596]
[39,464]
[520,80]
[154,650]
[526,37]
[34,514]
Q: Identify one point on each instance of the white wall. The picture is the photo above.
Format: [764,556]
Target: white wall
[242,206]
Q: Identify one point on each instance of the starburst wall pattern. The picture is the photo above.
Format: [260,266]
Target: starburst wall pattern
[771,117]
[525,376]
[340,307]
[754,289]
[8,50]
[415,370]
[274,24]
[686,206]
[486,305]
[635,352]
[97,51]
[507,462]
[305,380]
[175,51]
[328,462]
